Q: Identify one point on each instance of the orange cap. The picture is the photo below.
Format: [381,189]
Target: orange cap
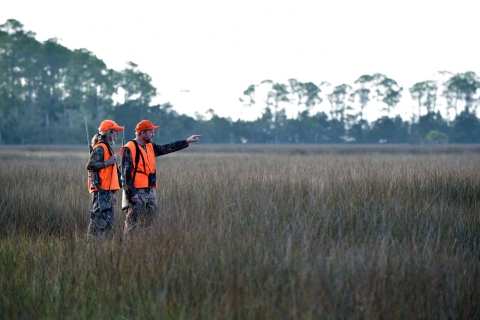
[109,125]
[145,125]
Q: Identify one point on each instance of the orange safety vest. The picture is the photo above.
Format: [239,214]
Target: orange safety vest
[108,177]
[145,165]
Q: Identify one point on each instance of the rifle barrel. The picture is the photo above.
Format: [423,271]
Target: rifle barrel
[90,149]
[86,131]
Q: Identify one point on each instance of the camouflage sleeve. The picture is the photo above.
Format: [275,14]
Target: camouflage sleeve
[95,162]
[127,167]
[161,149]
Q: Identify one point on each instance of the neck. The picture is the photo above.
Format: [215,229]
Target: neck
[140,141]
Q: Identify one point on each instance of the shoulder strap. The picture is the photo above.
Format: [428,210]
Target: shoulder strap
[138,154]
[108,147]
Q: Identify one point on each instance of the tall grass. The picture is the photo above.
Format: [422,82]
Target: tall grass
[250,234]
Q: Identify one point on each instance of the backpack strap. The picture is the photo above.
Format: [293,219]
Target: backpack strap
[138,154]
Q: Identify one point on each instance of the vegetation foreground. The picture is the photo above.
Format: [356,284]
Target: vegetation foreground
[317,233]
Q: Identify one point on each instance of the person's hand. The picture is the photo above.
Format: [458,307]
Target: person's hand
[194,138]
[112,159]
[114,200]
[134,199]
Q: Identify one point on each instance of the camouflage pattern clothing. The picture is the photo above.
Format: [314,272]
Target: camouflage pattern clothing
[102,218]
[145,210]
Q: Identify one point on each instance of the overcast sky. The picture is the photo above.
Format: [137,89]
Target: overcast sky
[204,54]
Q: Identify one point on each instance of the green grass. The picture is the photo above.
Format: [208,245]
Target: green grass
[260,232]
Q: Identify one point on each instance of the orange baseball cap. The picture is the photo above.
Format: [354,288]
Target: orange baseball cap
[109,125]
[145,125]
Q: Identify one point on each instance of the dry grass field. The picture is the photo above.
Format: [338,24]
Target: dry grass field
[259,232]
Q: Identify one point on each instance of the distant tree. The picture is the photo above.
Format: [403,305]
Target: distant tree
[325,89]
[128,114]
[450,97]
[464,86]
[339,101]
[466,128]
[10,80]
[216,129]
[260,130]
[295,91]
[359,131]
[312,95]
[436,137]
[88,88]
[432,121]
[136,85]
[55,63]
[390,93]
[249,94]
[363,93]
[18,50]
[319,128]
[425,94]
[389,130]
[335,132]
[277,94]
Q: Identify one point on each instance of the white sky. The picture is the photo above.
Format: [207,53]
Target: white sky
[217,48]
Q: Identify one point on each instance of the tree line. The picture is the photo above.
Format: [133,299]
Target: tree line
[46,89]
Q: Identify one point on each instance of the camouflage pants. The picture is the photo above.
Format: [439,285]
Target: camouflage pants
[102,218]
[142,212]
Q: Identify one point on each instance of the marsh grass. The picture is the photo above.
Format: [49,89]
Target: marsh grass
[250,234]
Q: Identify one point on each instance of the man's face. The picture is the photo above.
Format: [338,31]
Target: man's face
[148,135]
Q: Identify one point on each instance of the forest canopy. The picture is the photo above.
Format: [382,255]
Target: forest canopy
[46,90]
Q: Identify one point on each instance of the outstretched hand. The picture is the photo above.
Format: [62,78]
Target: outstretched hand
[194,138]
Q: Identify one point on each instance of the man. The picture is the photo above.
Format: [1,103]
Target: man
[103,180]
[139,174]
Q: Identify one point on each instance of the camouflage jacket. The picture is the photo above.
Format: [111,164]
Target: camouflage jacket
[95,162]
[128,165]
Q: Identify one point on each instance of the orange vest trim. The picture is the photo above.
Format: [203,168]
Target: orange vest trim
[146,164]
[108,177]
